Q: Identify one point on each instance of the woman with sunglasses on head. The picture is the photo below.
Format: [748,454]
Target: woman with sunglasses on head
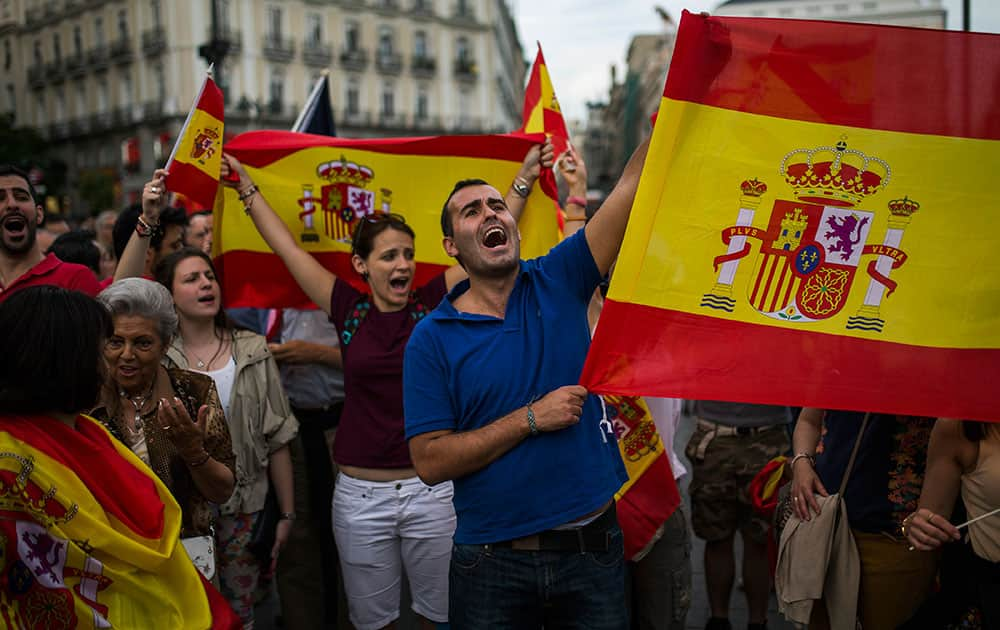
[385,519]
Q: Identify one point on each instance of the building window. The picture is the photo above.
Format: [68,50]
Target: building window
[154,9]
[352,36]
[102,95]
[388,101]
[353,97]
[159,78]
[274,15]
[8,56]
[385,41]
[423,105]
[223,17]
[462,49]
[125,97]
[81,99]
[56,48]
[77,41]
[37,52]
[11,98]
[462,8]
[276,93]
[420,45]
[60,113]
[40,110]
[314,28]
[99,32]
[122,25]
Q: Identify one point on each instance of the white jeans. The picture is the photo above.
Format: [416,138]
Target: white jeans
[382,528]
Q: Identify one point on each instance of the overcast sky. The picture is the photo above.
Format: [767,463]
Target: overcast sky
[582,38]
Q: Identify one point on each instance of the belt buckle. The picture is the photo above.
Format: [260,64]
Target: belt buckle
[527,543]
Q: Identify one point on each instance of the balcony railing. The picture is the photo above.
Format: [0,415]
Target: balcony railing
[97,58]
[468,124]
[37,75]
[278,49]
[152,110]
[121,51]
[389,62]
[58,130]
[466,69]
[463,14]
[426,122]
[386,6]
[75,65]
[354,59]
[154,41]
[356,118]
[422,8]
[55,70]
[316,53]
[423,67]
[79,126]
[33,16]
[393,120]
[100,121]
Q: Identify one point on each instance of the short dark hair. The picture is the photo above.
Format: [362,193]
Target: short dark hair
[363,240]
[10,169]
[129,218]
[167,267]
[446,227]
[78,247]
[52,344]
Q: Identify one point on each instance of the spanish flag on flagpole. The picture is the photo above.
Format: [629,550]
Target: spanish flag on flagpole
[541,108]
[816,223]
[196,159]
[89,536]
[323,187]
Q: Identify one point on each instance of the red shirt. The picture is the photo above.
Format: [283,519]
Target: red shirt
[51,270]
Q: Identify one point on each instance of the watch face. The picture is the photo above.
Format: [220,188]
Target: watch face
[521,189]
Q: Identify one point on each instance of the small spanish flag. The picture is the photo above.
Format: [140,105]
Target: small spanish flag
[196,160]
[541,108]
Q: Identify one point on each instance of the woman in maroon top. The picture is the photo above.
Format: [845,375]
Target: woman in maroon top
[385,518]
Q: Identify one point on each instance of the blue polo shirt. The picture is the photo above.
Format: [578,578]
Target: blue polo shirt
[463,371]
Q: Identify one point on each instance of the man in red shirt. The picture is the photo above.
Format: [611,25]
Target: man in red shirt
[22,263]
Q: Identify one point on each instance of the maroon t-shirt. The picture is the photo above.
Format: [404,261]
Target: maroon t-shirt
[370,434]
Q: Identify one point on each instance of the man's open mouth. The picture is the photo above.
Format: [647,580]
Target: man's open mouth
[495,236]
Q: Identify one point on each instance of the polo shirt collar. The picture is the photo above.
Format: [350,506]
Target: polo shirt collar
[446,309]
[47,264]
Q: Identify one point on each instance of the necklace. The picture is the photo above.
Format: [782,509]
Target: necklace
[138,402]
[200,363]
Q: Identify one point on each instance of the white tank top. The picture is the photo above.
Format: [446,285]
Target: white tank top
[224,378]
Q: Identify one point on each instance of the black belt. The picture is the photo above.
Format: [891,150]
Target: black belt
[593,536]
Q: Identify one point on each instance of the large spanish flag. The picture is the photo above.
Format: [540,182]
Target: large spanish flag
[89,536]
[816,223]
[196,159]
[323,186]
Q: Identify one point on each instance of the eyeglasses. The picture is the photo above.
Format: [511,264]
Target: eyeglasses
[374,219]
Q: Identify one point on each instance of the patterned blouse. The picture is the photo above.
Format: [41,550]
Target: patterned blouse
[194,390]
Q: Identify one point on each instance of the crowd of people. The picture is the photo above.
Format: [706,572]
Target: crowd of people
[435,433]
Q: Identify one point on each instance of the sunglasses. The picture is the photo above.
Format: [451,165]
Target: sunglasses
[374,219]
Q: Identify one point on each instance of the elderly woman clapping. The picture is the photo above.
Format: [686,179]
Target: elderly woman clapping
[170,418]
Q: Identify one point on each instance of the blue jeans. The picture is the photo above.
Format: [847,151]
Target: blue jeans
[506,588]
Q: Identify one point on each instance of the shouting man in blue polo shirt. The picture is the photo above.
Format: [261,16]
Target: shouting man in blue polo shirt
[491,402]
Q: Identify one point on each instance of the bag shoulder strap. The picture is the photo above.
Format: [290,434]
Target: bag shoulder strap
[854,454]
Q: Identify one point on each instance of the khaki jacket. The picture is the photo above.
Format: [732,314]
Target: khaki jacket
[260,418]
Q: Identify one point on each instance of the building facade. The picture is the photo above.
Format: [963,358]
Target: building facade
[919,13]
[109,82]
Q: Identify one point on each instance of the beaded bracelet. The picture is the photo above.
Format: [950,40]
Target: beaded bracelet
[531,421]
[143,229]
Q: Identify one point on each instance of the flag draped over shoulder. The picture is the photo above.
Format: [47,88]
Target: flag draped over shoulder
[322,187]
[815,223]
[196,160]
[650,495]
[89,536]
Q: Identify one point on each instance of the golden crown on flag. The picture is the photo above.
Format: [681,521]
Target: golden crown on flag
[342,171]
[835,176]
[23,494]
[903,207]
[753,187]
